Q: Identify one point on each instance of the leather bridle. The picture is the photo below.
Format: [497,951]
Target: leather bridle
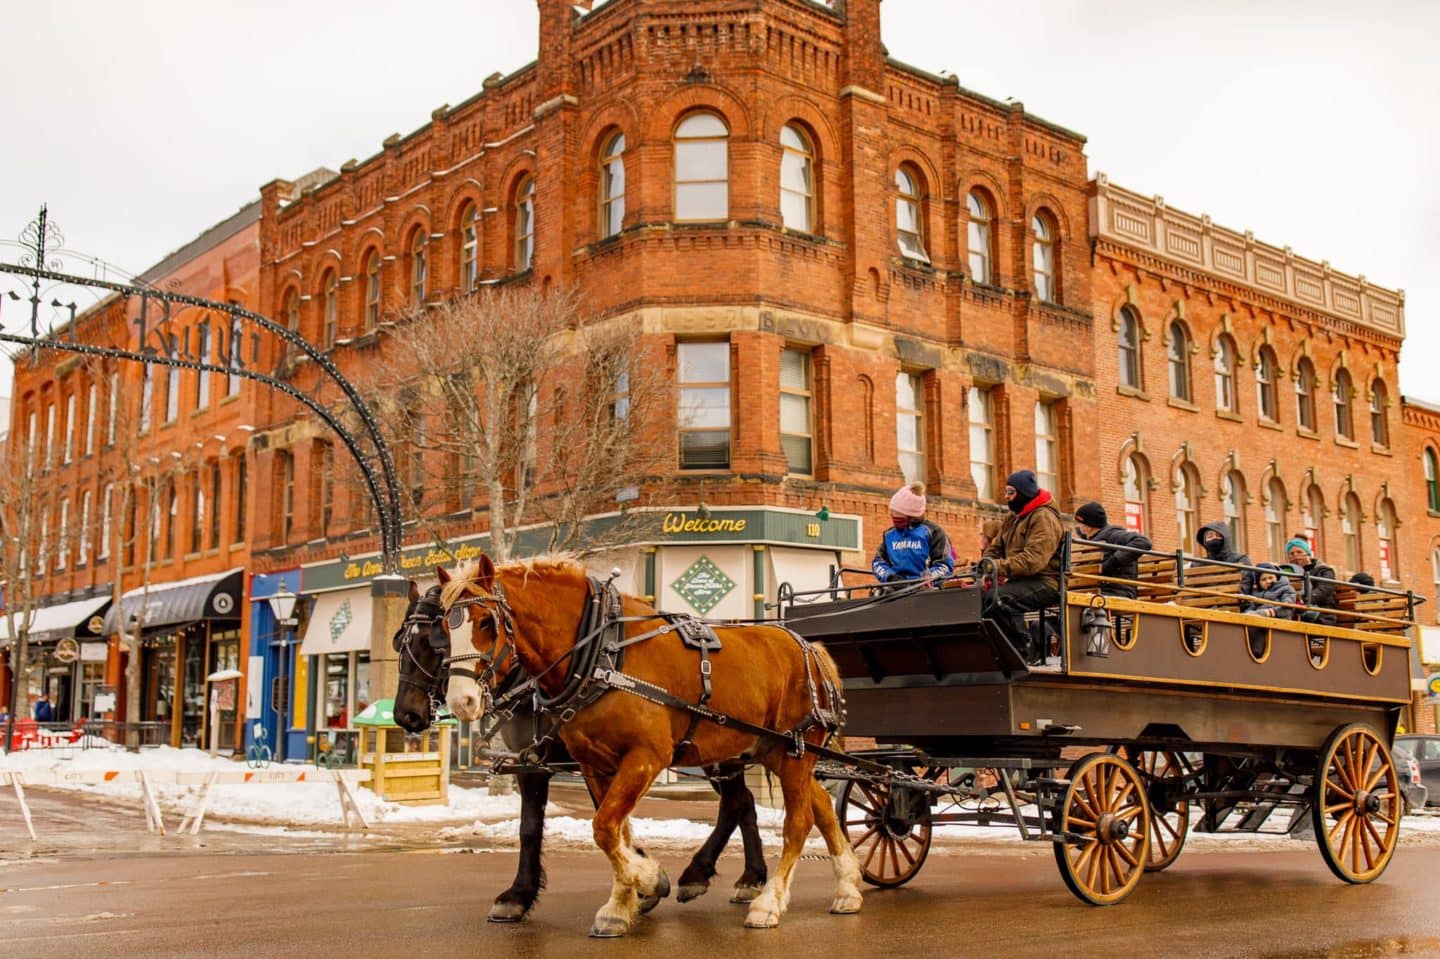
[426,613]
[501,649]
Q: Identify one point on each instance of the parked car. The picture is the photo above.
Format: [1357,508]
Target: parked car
[1423,752]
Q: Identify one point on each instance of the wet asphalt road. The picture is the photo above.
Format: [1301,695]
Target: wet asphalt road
[237,895]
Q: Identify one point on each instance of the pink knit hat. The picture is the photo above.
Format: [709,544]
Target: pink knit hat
[909,500]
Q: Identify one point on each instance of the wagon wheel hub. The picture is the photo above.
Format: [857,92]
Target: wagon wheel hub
[1112,829]
[1367,802]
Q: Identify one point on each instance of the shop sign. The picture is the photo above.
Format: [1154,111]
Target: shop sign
[721,525]
[703,585]
[66,651]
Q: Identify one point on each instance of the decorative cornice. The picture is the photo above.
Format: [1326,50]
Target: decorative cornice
[1147,226]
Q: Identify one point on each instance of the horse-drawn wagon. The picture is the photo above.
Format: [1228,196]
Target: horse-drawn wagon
[1130,712]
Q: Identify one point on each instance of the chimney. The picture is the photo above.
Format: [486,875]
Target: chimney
[864,51]
[557,25]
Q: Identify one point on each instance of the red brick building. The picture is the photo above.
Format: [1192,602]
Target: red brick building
[140,477]
[881,275]
[788,198]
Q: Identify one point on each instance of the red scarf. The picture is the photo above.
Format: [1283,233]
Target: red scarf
[1041,498]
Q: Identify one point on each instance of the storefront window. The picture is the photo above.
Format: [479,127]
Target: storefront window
[224,654]
[194,688]
[362,681]
[159,680]
[337,690]
[92,677]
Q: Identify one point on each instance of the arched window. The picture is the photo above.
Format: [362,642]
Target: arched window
[330,308]
[1342,394]
[1187,504]
[980,237]
[1312,516]
[1379,400]
[1136,487]
[1275,504]
[418,241]
[1178,357]
[1042,258]
[1225,395]
[1385,532]
[1130,349]
[797,179]
[525,224]
[1305,395]
[1351,520]
[909,228]
[1266,394]
[1432,480]
[1232,499]
[702,168]
[469,247]
[612,186]
[372,290]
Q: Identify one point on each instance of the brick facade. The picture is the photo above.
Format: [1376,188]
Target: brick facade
[841,283]
[840,288]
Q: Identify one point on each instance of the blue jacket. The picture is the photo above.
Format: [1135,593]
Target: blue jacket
[44,712]
[913,552]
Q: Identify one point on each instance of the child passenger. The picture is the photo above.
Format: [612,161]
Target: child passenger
[913,547]
[1271,585]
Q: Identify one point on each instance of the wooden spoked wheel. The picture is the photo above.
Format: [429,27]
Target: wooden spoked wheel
[1104,818]
[1169,817]
[890,841]
[1357,804]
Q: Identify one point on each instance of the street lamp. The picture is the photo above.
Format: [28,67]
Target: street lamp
[282,605]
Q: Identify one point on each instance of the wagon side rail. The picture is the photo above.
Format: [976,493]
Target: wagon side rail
[1185,580]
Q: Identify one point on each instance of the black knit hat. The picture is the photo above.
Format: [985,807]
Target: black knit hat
[1092,514]
[1024,483]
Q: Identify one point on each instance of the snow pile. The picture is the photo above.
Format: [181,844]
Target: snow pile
[300,803]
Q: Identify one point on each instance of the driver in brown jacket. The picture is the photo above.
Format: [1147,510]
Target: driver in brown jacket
[1027,556]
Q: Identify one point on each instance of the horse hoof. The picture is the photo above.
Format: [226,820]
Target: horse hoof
[648,902]
[610,927]
[507,912]
[845,905]
[762,919]
[662,884]
[746,894]
[692,890]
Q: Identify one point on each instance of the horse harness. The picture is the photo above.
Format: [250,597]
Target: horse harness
[597,667]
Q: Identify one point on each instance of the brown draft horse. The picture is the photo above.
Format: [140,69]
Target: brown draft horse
[763,675]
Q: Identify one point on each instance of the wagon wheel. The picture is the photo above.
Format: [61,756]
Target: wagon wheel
[1169,817]
[1106,815]
[1356,804]
[890,843]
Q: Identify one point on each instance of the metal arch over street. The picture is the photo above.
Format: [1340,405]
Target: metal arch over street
[388,502]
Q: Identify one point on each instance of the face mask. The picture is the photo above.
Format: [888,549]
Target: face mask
[1215,547]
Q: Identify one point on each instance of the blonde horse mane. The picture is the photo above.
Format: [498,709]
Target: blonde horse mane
[468,574]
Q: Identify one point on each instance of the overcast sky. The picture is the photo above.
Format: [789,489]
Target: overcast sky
[1312,124]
